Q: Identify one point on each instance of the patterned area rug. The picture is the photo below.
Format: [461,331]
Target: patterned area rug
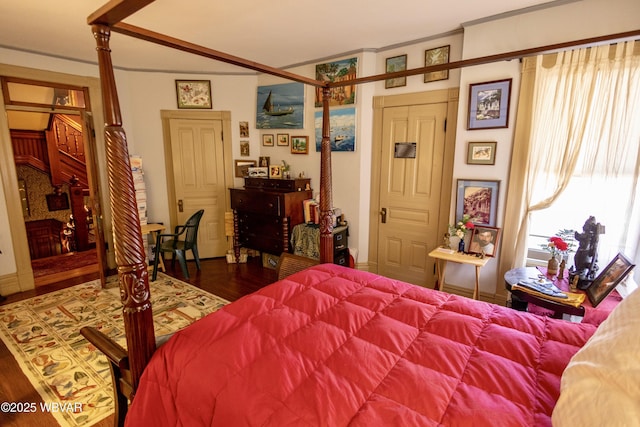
[43,334]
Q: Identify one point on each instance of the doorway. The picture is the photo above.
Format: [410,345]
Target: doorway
[199,173]
[412,167]
[52,146]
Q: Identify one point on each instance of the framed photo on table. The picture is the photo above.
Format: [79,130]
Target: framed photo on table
[484,239]
[489,105]
[609,278]
[479,200]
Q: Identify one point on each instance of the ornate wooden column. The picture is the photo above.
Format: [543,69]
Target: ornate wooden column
[326,195]
[133,275]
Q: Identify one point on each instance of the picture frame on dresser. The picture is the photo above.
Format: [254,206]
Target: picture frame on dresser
[242,167]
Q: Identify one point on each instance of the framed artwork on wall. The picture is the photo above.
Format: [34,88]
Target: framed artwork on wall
[267,140]
[283,139]
[342,129]
[396,63]
[438,55]
[193,94]
[342,70]
[280,106]
[481,153]
[299,144]
[479,200]
[489,105]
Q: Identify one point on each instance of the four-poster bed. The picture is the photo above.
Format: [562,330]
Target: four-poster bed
[545,337]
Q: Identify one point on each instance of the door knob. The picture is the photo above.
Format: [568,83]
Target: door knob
[180,206]
[383,213]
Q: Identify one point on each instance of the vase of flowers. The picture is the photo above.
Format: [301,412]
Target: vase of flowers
[557,247]
[460,230]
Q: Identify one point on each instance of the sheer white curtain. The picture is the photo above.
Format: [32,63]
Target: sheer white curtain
[584,128]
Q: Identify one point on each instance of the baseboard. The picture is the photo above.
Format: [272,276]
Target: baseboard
[9,284]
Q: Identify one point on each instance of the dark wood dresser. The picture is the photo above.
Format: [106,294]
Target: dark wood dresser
[265,211]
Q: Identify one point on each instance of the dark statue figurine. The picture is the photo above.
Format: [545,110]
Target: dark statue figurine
[585,261]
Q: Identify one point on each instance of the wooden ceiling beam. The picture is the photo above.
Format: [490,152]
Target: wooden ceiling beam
[116,10]
[167,41]
[507,56]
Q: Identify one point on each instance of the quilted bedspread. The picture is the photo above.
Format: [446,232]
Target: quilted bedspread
[333,346]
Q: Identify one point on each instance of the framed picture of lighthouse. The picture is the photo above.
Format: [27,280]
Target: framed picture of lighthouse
[280,106]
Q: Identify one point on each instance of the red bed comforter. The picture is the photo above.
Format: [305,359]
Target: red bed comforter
[333,346]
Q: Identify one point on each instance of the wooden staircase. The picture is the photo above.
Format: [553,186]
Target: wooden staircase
[58,151]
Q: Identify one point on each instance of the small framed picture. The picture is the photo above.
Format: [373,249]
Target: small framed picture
[609,278]
[244,129]
[397,63]
[479,200]
[299,144]
[264,161]
[484,240]
[481,153]
[283,139]
[193,93]
[242,167]
[258,172]
[438,55]
[489,105]
[275,171]
[267,140]
[244,148]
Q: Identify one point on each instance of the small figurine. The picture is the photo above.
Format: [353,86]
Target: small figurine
[446,242]
[563,265]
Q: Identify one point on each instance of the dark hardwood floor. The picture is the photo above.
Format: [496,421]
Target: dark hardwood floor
[228,281]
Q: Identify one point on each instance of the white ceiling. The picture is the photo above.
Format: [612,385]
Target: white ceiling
[279,33]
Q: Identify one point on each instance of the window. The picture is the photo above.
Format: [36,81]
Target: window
[586,150]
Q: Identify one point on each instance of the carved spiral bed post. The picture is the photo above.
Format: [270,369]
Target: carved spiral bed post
[133,276]
[326,196]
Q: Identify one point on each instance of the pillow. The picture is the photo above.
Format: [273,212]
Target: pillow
[601,384]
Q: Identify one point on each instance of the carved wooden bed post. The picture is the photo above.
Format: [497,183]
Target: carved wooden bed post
[133,276]
[326,202]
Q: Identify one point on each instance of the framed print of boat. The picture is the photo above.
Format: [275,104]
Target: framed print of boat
[343,129]
[280,106]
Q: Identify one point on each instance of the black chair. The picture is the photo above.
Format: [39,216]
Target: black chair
[184,238]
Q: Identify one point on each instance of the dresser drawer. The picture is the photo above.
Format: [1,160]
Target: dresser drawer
[256,224]
[263,244]
[256,201]
[340,238]
[286,185]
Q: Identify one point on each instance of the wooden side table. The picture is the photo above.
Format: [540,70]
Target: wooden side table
[588,312]
[442,255]
[156,229]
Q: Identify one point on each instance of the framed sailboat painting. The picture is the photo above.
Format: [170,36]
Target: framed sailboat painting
[280,106]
